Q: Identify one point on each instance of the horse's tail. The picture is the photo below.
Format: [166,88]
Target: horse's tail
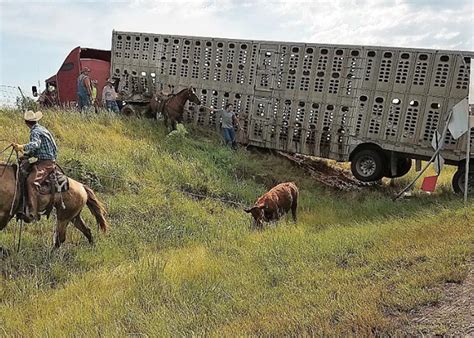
[97,209]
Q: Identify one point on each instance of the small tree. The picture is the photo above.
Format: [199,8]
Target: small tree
[24,103]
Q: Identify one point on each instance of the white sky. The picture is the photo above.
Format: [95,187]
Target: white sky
[36,36]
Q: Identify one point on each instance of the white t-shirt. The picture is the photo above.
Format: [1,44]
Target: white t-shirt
[109,94]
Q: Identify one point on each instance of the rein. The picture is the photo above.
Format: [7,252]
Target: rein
[9,157]
[17,181]
[17,177]
[17,172]
[6,148]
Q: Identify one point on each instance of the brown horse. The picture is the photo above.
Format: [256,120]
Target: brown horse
[172,106]
[74,201]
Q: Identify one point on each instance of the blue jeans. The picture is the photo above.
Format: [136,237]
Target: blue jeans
[229,136]
[112,106]
[84,101]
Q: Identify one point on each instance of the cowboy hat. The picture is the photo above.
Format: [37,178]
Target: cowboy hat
[85,69]
[110,80]
[32,116]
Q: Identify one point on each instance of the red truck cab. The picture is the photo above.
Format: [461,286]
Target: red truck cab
[65,80]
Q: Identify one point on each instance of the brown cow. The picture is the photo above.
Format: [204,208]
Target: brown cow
[275,203]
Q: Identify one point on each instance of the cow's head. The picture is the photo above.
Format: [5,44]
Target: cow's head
[258,214]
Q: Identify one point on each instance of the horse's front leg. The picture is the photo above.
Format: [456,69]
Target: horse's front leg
[3,223]
[60,233]
[4,219]
[180,118]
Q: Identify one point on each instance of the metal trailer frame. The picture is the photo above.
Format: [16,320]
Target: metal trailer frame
[317,99]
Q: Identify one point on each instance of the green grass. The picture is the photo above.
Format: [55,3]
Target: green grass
[355,263]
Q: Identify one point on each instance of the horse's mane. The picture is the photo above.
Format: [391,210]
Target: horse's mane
[182,90]
[178,95]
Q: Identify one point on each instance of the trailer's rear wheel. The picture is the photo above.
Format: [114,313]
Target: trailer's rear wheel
[459,180]
[128,110]
[368,165]
[403,167]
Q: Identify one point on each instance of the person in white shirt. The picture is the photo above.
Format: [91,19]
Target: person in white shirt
[109,96]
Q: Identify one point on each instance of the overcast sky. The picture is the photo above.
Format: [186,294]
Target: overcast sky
[36,36]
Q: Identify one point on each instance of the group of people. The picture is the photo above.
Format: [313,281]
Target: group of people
[87,97]
[87,93]
[43,148]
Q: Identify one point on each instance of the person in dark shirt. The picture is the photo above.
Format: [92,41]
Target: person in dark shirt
[84,89]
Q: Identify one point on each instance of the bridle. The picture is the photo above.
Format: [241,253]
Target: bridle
[192,94]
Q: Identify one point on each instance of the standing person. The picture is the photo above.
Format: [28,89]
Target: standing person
[94,96]
[169,91]
[48,97]
[109,96]
[229,120]
[84,89]
[43,147]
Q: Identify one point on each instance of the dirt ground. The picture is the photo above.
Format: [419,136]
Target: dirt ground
[452,316]
[327,174]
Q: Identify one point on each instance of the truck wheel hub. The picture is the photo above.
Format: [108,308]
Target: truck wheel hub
[366,166]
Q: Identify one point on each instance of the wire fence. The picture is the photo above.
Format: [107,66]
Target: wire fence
[9,96]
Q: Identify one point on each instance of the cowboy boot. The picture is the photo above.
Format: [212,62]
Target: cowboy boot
[32,204]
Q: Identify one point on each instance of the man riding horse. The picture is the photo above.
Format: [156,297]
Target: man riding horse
[46,191]
[42,147]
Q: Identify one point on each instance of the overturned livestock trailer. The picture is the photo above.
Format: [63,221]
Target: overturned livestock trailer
[378,107]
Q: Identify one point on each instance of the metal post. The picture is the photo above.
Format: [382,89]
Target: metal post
[468,134]
[468,155]
[436,153]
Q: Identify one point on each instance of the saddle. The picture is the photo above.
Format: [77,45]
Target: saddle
[55,182]
[162,99]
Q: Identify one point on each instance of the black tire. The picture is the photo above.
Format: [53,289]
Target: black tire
[459,179]
[403,167]
[128,110]
[368,165]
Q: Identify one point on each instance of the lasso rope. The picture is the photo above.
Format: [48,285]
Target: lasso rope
[9,157]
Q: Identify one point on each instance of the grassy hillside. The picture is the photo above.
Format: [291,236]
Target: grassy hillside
[174,265]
